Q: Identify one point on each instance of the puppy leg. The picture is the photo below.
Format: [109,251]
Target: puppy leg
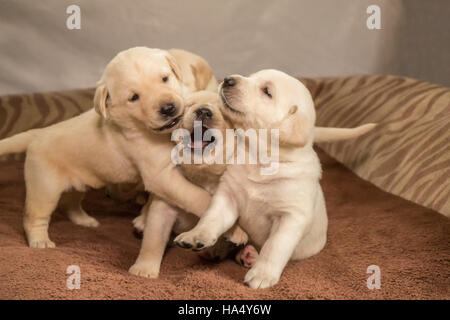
[70,204]
[186,195]
[220,217]
[160,219]
[44,187]
[277,250]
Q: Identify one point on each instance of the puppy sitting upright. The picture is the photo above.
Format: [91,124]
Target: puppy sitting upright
[126,138]
[283,213]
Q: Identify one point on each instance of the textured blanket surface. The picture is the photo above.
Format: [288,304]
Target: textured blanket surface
[367,226]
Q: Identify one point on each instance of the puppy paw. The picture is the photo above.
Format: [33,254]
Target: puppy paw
[139,223]
[146,270]
[237,236]
[247,256]
[89,222]
[83,219]
[195,240]
[42,243]
[260,277]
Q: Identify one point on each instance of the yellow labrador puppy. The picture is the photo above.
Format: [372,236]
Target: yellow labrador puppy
[203,112]
[160,218]
[283,213]
[195,75]
[138,102]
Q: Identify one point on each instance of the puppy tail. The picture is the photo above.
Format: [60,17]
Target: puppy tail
[17,143]
[322,134]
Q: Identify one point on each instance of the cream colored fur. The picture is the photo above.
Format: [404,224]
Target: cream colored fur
[163,218]
[284,214]
[123,140]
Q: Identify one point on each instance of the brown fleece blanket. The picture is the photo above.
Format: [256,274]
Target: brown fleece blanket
[367,226]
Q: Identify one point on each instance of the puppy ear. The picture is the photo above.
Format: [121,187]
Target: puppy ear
[202,74]
[100,97]
[294,129]
[174,66]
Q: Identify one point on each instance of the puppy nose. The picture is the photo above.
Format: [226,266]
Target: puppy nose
[168,109]
[229,82]
[203,113]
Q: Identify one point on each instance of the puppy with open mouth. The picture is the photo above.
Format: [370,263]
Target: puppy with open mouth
[205,128]
[161,218]
[283,213]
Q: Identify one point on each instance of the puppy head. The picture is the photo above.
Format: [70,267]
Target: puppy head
[203,112]
[270,99]
[141,89]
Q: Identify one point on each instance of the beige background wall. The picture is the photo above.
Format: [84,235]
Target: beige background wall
[301,37]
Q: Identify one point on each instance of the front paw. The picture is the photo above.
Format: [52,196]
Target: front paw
[195,240]
[147,270]
[41,243]
[261,276]
[237,236]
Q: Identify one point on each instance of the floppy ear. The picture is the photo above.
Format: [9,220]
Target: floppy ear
[294,129]
[174,66]
[202,74]
[101,94]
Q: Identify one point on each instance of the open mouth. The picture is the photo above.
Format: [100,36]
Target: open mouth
[197,141]
[171,124]
[226,103]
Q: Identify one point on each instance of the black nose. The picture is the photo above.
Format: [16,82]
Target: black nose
[203,113]
[229,82]
[168,109]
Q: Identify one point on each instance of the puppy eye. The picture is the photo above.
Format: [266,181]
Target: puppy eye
[134,97]
[165,78]
[267,92]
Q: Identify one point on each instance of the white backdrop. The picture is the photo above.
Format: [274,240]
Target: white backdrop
[301,37]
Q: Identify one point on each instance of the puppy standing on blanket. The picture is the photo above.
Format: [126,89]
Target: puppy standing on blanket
[138,102]
[284,214]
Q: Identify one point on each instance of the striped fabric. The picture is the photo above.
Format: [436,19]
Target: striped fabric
[408,154]
[27,111]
